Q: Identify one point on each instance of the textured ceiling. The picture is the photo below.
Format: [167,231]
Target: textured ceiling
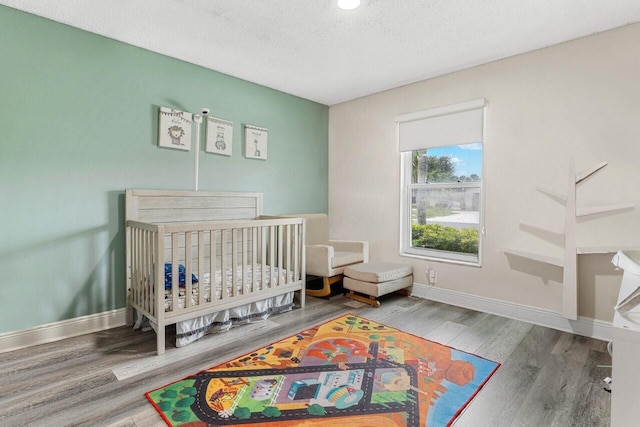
[314,50]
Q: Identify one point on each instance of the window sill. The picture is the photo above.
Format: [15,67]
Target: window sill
[439,259]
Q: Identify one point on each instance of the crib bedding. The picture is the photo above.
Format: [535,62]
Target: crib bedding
[193,329]
[272,274]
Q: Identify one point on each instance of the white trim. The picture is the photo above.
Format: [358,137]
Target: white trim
[423,257]
[63,329]
[584,326]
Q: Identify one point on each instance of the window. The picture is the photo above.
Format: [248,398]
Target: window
[441,183]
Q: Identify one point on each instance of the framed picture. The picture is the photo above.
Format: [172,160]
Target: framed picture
[255,142]
[219,136]
[174,129]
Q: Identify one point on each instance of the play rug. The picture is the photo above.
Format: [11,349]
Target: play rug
[348,371]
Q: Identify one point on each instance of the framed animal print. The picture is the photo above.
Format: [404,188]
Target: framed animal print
[174,129]
[255,142]
[219,136]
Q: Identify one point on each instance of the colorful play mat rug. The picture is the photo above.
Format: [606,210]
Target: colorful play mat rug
[349,371]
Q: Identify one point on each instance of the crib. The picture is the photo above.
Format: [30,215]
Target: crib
[193,253]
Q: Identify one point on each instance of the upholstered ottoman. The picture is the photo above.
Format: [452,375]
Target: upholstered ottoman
[376,279]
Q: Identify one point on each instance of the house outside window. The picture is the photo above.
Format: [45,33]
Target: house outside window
[441,183]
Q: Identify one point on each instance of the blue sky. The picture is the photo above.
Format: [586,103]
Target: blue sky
[467,158]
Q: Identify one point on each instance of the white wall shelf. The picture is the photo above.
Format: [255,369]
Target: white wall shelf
[558,262]
[569,262]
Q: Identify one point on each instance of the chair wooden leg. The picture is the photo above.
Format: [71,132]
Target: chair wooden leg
[326,288]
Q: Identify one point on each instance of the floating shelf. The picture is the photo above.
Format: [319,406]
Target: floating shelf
[580,212]
[559,262]
[569,262]
[586,174]
[552,230]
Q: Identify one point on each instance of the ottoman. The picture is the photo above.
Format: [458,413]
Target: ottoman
[375,279]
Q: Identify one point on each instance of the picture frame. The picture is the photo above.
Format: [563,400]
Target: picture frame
[219,136]
[174,129]
[255,142]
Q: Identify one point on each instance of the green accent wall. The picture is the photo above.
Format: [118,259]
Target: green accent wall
[79,119]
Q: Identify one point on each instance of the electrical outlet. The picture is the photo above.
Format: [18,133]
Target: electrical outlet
[433,277]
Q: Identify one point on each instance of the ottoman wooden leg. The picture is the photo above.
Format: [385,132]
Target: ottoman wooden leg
[371,300]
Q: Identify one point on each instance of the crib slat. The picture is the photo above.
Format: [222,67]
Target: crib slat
[159,289]
[223,264]
[234,261]
[254,259]
[263,256]
[138,275]
[141,293]
[287,242]
[153,251]
[272,254]
[141,248]
[133,273]
[175,273]
[296,261]
[200,267]
[212,265]
[187,267]
[149,273]
[279,248]
[143,268]
[146,259]
[244,259]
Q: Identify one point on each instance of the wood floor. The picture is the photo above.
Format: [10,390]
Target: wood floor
[547,377]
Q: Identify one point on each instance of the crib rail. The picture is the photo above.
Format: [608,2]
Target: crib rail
[265,257]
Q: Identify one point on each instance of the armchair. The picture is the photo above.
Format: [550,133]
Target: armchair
[328,258]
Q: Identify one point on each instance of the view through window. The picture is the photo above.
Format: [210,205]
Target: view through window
[444,202]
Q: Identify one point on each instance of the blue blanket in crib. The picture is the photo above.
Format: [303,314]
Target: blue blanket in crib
[181,275]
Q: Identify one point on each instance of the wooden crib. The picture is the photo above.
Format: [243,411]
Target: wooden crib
[177,242]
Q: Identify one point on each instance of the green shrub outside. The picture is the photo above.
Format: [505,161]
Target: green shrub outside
[436,236]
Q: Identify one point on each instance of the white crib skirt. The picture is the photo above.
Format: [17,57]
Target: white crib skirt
[191,330]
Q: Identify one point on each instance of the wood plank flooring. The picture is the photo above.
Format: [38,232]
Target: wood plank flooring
[547,377]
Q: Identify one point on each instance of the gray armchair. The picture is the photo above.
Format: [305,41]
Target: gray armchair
[328,258]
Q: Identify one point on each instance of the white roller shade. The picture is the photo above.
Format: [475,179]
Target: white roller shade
[450,125]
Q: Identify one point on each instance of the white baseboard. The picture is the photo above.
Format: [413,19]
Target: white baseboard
[114,318]
[583,326]
[60,330]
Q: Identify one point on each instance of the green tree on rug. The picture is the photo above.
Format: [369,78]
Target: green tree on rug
[175,399]
[242,413]
[271,411]
[316,409]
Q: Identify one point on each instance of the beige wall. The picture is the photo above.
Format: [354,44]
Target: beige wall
[579,100]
